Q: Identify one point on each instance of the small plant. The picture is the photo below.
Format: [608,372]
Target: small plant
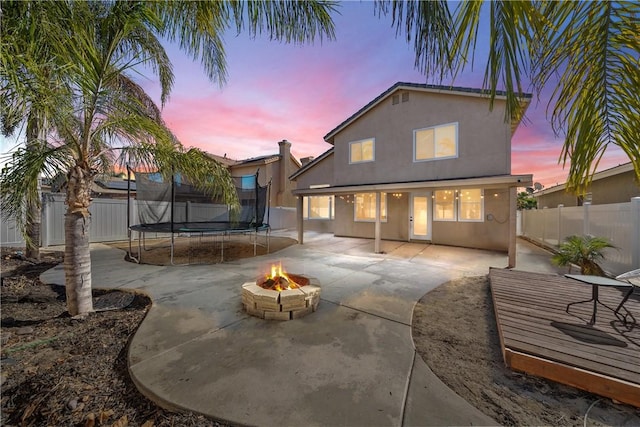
[583,251]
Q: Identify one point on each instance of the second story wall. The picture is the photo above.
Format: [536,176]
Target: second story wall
[483,139]
[320,174]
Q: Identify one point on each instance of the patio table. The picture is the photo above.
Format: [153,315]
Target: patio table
[596,282]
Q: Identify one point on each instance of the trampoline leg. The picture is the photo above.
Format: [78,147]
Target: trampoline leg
[171,259]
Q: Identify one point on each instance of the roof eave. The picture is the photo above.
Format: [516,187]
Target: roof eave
[503,180]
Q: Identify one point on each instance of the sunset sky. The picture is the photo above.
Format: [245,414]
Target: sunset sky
[299,93]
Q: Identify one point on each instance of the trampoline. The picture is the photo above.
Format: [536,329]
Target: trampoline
[176,208]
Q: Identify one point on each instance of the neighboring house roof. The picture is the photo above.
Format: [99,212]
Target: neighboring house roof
[226,161]
[616,170]
[261,160]
[116,184]
[312,163]
[453,90]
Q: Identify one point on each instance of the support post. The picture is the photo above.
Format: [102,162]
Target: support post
[513,207]
[559,239]
[300,219]
[377,225]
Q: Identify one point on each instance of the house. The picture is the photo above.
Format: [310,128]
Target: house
[274,168]
[614,185]
[418,163]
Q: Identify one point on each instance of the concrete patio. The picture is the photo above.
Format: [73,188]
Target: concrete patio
[352,362]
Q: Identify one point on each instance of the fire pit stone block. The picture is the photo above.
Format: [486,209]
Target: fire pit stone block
[277,315]
[268,296]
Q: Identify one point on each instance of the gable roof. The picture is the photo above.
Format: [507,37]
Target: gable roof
[312,163]
[453,90]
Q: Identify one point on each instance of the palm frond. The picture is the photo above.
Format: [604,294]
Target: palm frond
[288,21]
[430,26]
[19,176]
[513,27]
[595,51]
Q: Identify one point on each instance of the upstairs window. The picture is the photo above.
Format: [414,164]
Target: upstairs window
[365,207]
[362,151]
[438,142]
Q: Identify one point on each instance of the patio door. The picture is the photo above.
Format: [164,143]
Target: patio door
[420,216]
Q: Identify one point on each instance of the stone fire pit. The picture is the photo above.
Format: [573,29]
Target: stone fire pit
[278,302]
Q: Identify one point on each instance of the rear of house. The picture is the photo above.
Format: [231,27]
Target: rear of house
[418,163]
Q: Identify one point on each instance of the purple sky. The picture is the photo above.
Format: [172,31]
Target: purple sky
[299,93]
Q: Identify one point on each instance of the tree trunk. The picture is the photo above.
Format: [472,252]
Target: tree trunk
[33,225]
[77,260]
[33,213]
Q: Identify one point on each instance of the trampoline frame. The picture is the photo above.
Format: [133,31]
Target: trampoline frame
[198,228]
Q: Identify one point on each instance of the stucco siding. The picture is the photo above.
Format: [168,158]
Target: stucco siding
[320,174]
[483,140]
[395,228]
[490,234]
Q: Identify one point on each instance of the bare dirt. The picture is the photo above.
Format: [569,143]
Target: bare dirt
[203,250]
[57,370]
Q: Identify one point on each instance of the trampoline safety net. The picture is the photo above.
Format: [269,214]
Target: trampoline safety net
[179,206]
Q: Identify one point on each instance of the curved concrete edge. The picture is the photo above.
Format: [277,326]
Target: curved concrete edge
[133,347]
[430,402]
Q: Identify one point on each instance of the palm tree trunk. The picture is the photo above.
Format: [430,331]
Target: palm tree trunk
[77,260]
[33,218]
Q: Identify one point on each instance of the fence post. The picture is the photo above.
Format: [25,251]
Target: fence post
[46,220]
[559,228]
[586,228]
[635,227]
[544,224]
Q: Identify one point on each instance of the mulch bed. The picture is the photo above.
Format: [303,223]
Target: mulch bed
[57,370]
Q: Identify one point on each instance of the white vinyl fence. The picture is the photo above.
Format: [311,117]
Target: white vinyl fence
[618,222]
[109,219]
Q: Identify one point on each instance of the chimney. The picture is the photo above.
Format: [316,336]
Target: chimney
[284,193]
[306,160]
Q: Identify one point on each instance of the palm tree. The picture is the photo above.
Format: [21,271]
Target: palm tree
[584,251]
[22,100]
[590,51]
[100,112]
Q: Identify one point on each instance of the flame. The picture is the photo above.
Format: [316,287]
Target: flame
[276,273]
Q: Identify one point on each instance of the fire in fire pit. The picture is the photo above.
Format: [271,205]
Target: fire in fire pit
[280,295]
[278,280]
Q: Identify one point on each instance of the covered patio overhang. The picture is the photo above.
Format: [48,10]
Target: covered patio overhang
[510,181]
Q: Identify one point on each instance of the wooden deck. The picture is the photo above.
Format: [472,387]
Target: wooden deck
[539,337]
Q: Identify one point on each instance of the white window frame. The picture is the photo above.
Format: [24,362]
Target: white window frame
[306,212]
[460,205]
[373,151]
[383,208]
[454,195]
[415,133]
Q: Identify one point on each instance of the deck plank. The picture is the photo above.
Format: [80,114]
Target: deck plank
[533,324]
